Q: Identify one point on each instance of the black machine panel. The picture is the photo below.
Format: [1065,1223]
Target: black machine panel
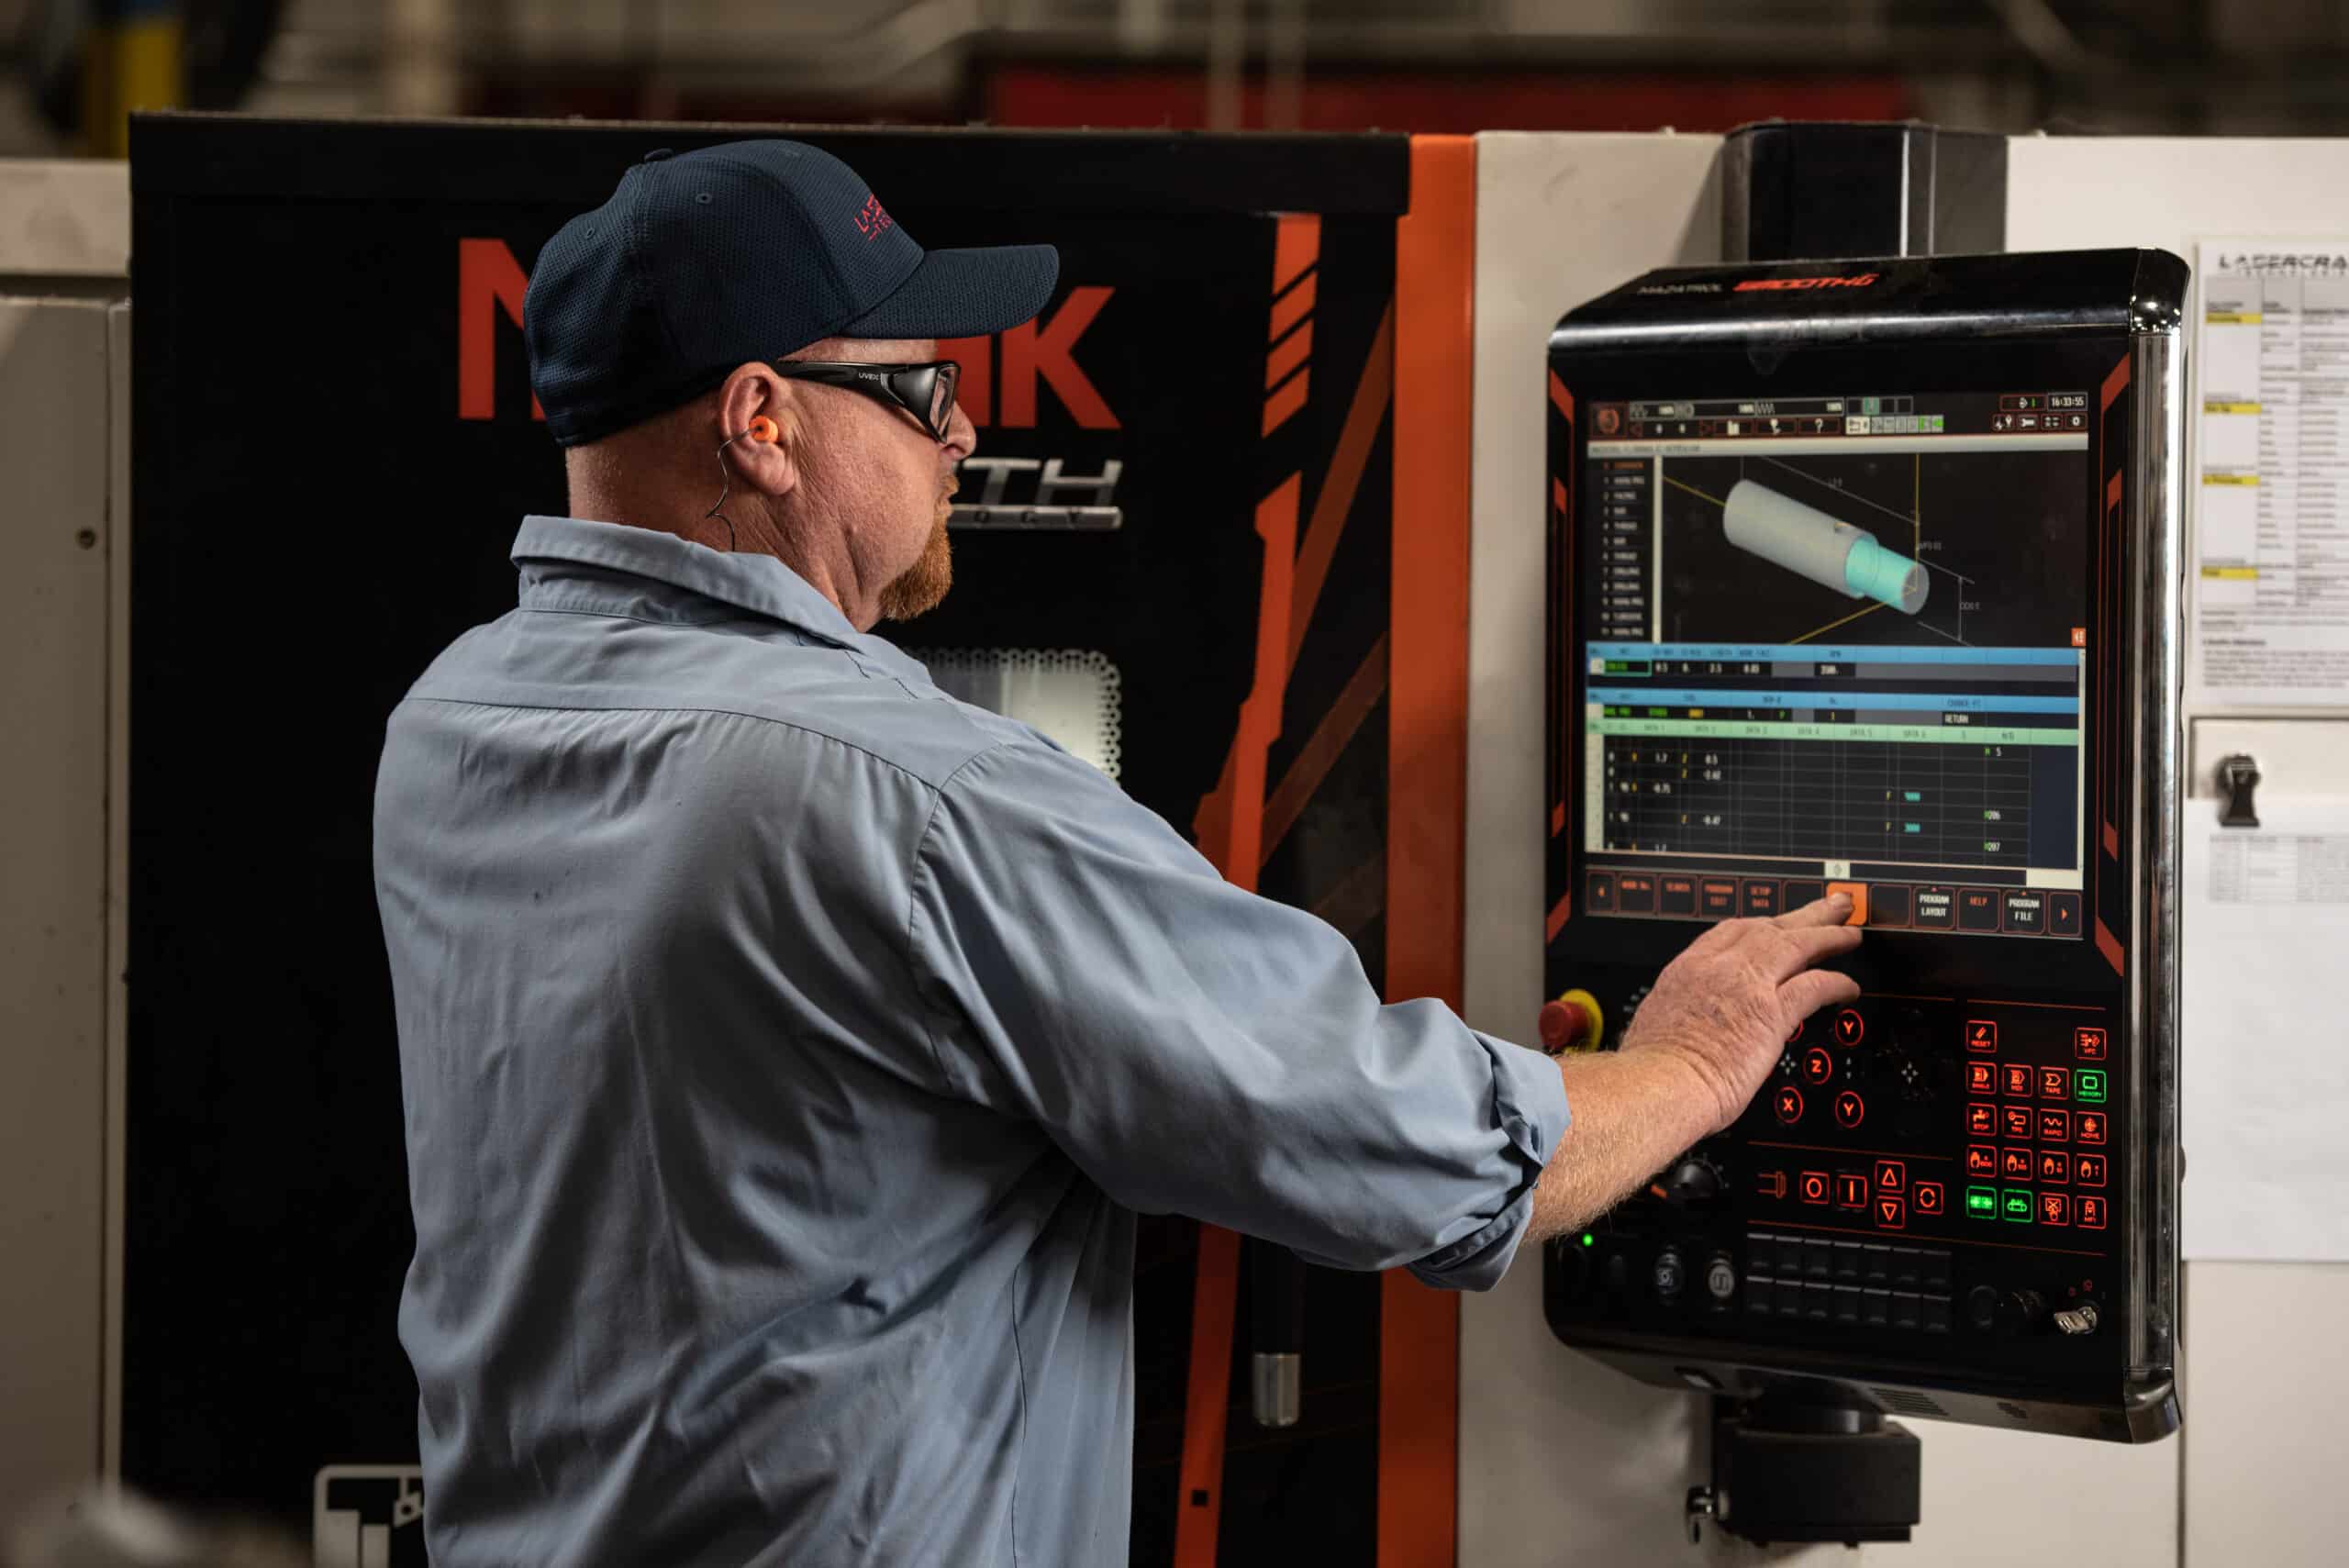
[262,1102]
[1864,575]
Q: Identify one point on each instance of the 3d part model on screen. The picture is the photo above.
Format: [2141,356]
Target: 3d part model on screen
[1804,540]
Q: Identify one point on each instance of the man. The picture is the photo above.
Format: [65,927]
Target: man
[787,1047]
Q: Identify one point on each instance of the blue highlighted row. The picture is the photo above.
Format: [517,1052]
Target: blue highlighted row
[1936,702]
[1812,652]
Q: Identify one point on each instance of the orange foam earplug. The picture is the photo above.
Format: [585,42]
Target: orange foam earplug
[764,429]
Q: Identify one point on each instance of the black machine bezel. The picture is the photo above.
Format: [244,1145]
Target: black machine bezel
[2105,322]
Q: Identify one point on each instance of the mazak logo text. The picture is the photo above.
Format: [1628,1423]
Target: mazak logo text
[1002,375]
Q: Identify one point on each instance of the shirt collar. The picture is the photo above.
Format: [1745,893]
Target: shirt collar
[759,584]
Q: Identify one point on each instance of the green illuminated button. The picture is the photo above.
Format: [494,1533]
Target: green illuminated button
[2018,1209]
[1982,1203]
[2088,1084]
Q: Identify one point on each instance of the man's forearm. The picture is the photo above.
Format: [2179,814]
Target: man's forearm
[1631,1113]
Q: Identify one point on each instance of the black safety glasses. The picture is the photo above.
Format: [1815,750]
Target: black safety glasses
[926,391]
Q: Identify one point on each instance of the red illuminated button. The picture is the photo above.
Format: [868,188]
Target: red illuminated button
[2055,1127]
[1891,1213]
[2054,1166]
[2054,1083]
[1981,1121]
[1677,896]
[1761,898]
[1929,1197]
[2015,1081]
[1817,1065]
[1981,1078]
[1718,899]
[2014,1164]
[1981,1035]
[2055,1208]
[1599,895]
[2091,1212]
[1635,893]
[1787,1104]
[2015,1120]
[1850,1027]
[1851,1190]
[1981,1160]
[1813,1188]
[2087,1044]
[2092,1127]
[1850,1110]
[1892,1176]
[2088,1169]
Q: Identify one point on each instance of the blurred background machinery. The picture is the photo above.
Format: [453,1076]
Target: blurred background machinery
[2195,67]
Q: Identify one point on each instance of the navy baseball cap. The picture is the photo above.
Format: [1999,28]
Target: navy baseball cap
[703,260]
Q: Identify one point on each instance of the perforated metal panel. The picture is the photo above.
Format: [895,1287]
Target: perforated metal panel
[1073,695]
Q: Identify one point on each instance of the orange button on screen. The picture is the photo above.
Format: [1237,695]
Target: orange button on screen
[1858,891]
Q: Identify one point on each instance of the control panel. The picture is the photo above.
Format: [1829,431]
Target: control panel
[1919,1174]
[1864,578]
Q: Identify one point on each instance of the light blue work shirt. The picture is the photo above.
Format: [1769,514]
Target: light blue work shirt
[787,1048]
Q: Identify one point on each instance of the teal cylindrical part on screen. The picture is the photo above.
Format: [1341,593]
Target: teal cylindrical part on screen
[1814,544]
[1875,573]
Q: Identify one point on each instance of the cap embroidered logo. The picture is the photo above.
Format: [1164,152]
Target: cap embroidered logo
[872,220]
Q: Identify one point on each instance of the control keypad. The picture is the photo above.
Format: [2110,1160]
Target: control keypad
[2019,1095]
[1910,1150]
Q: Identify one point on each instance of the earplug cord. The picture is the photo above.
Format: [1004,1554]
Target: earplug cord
[726,475]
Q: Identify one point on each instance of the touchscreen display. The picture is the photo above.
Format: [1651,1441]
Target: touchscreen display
[1836,642]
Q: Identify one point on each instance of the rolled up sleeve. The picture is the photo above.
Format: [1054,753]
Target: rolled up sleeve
[1196,1049]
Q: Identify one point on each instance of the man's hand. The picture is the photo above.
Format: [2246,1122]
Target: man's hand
[1726,1004]
[1705,1038]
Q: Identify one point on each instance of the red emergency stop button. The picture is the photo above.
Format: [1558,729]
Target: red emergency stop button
[1569,1023]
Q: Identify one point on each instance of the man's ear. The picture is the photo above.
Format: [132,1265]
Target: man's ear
[753,394]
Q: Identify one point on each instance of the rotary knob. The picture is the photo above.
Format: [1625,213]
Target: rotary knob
[2012,1313]
[1693,1185]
